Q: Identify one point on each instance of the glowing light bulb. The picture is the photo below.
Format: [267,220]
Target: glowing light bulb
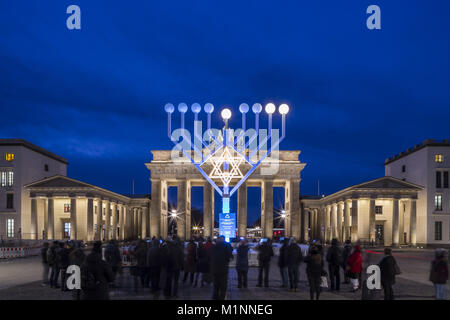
[182,107]
[226,114]
[283,109]
[196,108]
[257,108]
[169,108]
[270,108]
[243,108]
[209,108]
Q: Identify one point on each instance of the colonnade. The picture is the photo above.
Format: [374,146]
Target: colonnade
[87,218]
[356,219]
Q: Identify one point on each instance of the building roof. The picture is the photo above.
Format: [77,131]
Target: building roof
[383,185]
[63,183]
[417,147]
[29,145]
[138,196]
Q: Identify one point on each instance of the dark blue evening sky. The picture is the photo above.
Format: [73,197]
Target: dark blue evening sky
[96,96]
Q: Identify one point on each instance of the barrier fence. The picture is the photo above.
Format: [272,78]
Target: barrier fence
[17,252]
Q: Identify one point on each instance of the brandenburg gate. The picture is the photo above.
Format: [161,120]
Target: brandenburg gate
[182,174]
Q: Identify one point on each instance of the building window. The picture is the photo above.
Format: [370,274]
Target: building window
[66,207]
[403,168]
[9,157]
[10,201]
[379,209]
[46,167]
[10,228]
[438,158]
[445,179]
[438,230]
[438,202]
[7,178]
[66,229]
[438,179]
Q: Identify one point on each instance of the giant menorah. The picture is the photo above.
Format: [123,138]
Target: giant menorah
[219,154]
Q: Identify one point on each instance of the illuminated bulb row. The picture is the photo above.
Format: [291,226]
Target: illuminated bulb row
[226,113]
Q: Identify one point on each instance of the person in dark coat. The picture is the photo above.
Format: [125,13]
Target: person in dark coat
[294,258]
[388,267]
[221,254]
[52,262]
[439,274]
[190,265]
[45,265]
[140,253]
[282,262]
[172,255]
[112,256]
[202,264]
[265,253]
[77,257]
[62,258]
[208,245]
[345,255]
[154,262]
[334,259]
[242,263]
[96,274]
[314,271]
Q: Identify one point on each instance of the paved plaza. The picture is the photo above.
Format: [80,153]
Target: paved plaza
[20,279]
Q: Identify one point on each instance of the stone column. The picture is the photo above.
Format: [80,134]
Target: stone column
[340,215]
[395,222]
[346,212]
[73,218]
[115,220]
[144,222]
[128,223]
[181,209]
[287,208]
[295,208]
[90,219]
[136,223]
[108,221]
[155,209]
[208,210]
[306,222]
[413,222]
[121,222]
[51,218]
[188,211]
[327,223]
[334,225]
[263,210]
[316,224]
[372,220]
[268,208]
[99,220]
[164,209]
[34,221]
[242,210]
[322,224]
[354,235]
[131,218]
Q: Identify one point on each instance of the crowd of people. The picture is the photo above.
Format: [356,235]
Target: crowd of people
[160,264]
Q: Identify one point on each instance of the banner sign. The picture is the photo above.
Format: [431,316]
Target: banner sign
[227,225]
